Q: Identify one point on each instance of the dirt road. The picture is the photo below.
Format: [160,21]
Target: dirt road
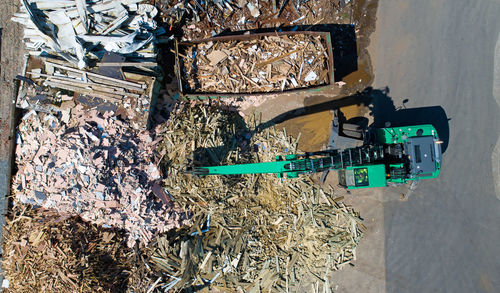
[445,238]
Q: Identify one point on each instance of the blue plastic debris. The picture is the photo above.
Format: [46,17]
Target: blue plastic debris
[203,230]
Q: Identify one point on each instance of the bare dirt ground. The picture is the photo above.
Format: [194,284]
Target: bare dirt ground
[11,62]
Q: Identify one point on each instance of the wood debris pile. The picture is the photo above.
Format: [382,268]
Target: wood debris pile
[52,86]
[268,64]
[94,166]
[251,232]
[82,31]
[207,18]
[47,253]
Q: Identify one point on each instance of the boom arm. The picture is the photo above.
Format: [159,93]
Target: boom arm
[389,155]
[256,168]
[293,165]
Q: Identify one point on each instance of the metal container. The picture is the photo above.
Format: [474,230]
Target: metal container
[247,37]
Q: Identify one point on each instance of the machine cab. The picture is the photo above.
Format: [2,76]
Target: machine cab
[363,176]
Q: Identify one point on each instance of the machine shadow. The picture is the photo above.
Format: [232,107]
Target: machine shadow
[382,110]
[361,98]
[233,138]
[241,140]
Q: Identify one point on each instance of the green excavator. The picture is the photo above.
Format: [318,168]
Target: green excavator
[388,155]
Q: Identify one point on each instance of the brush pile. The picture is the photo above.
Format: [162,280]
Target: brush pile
[250,232]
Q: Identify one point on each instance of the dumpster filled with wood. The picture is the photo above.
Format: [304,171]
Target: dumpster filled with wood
[264,63]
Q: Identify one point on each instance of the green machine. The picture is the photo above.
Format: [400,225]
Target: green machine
[388,155]
[410,153]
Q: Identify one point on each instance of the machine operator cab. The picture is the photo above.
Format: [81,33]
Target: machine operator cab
[363,176]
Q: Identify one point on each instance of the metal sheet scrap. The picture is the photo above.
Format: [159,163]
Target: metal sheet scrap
[82,31]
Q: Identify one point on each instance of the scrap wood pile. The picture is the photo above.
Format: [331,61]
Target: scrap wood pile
[82,31]
[269,64]
[44,252]
[97,53]
[207,18]
[249,233]
[54,86]
[94,166]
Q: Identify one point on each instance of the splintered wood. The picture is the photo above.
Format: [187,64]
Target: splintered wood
[268,64]
[250,233]
[202,19]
